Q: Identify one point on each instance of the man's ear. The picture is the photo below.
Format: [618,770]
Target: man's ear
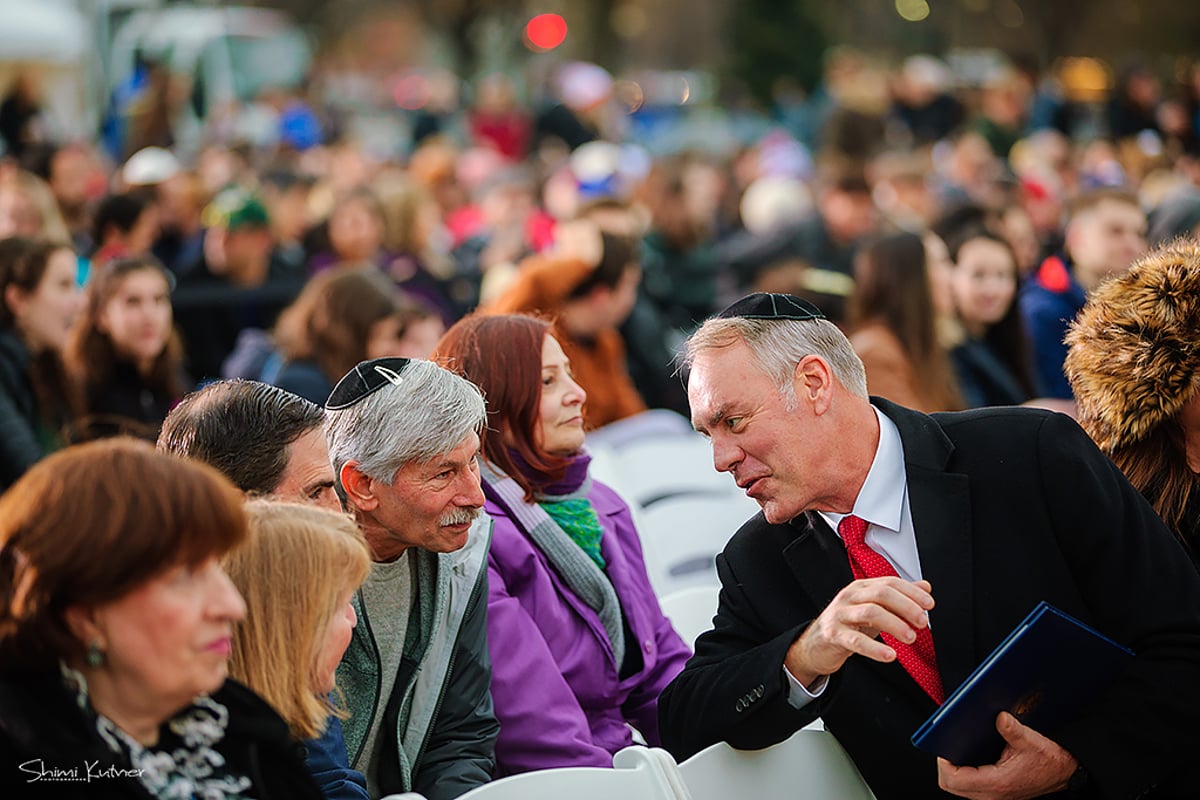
[813,380]
[359,488]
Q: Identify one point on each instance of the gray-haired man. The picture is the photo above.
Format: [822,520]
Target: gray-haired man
[403,437]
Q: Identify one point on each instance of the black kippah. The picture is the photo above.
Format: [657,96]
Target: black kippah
[772,305]
[365,379]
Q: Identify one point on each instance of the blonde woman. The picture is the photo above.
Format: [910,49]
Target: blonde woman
[297,570]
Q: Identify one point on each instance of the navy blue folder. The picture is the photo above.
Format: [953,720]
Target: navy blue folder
[1043,674]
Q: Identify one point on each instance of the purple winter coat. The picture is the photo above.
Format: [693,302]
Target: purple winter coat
[554,681]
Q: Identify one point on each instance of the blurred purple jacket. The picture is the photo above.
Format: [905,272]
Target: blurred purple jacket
[555,685]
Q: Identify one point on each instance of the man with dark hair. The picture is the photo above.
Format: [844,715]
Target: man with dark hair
[124,225]
[238,283]
[268,442]
[265,440]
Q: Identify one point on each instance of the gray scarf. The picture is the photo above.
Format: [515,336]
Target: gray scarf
[569,560]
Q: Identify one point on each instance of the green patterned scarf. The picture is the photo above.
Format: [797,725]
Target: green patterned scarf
[578,519]
[566,528]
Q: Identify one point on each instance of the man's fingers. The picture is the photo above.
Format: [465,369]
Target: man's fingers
[1008,727]
[890,591]
[956,780]
[873,619]
[1015,732]
[868,646]
[883,606]
[859,613]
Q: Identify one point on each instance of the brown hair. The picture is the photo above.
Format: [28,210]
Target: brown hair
[664,193]
[502,355]
[330,322]
[144,512]
[891,285]
[293,569]
[1006,337]
[1091,199]
[91,355]
[1157,466]
[23,264]
[400,201]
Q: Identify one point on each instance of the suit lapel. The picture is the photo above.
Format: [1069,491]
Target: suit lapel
[941,512]
[818,560]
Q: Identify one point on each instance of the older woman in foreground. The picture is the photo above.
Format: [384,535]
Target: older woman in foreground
[116,626]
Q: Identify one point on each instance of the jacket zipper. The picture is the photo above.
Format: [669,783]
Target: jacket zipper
[437,708]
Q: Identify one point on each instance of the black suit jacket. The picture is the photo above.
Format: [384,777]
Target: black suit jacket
[1010,507]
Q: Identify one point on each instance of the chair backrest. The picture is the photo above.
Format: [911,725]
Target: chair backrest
[662,467]
[655,423]
[691,610]
[811,764]
[682,535]
[639,773]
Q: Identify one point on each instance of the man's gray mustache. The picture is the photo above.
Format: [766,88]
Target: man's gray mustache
[461,516]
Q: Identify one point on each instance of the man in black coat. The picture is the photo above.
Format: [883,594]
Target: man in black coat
[980,515]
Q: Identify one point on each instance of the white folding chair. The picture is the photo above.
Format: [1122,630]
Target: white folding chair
[682,535]
[691,610]
[658,468]
[811,764]
[655,423]
[639,773]
[605,467]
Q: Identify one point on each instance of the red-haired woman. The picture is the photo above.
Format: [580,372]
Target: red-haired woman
[578,642]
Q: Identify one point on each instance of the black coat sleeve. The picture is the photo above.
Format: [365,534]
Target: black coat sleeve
[19,445]
[733,689]
[1141,588]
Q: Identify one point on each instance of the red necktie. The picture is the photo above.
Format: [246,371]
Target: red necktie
[918,658]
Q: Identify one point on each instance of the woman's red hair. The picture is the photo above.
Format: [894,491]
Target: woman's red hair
[502,355]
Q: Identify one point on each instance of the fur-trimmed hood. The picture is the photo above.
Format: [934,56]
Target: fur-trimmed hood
[1134,358]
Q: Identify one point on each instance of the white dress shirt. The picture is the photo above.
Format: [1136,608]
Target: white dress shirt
[883,503]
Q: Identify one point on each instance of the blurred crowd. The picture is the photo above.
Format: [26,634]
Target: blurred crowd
[953,230]
[396,354]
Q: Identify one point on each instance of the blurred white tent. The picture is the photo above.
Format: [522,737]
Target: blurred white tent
[44,31]
[49,40]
